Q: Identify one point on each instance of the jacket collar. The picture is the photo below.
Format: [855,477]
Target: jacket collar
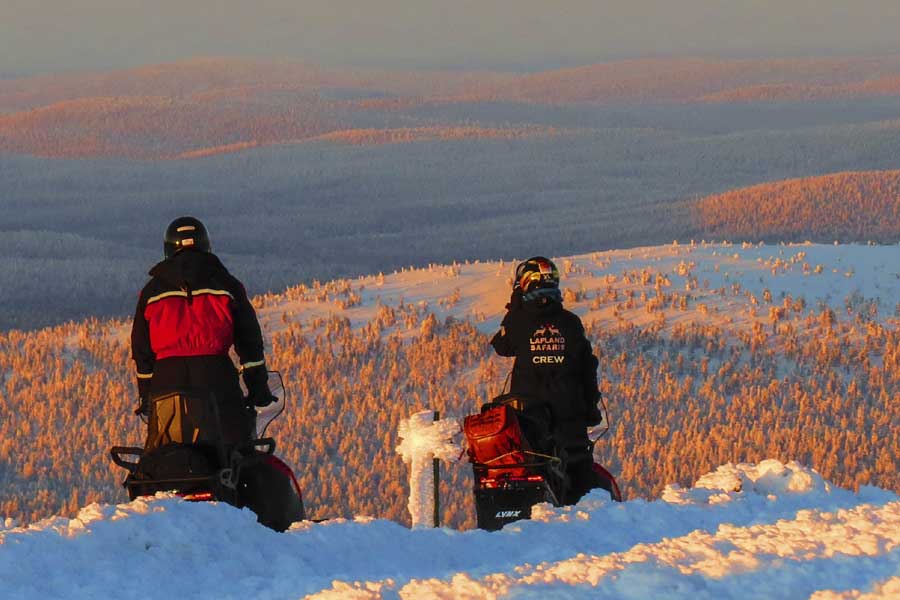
[187,267]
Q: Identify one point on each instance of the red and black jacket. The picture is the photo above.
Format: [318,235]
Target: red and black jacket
[193,307]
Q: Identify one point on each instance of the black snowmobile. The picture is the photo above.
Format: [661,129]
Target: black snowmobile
[516,463]
[185,453]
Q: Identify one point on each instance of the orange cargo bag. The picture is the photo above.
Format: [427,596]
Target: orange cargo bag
[495,439]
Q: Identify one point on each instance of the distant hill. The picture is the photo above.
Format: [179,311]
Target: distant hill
[851,206]
[206,78]
[687,80]
[193,108]
[151,127]
[202,106]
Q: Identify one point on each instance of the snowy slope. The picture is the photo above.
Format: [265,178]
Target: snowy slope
[745,531]
[727,278]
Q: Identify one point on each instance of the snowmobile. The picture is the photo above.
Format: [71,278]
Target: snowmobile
[185,452]
[515,462]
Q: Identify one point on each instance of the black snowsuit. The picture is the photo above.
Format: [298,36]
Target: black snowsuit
[188,316]
[555,364]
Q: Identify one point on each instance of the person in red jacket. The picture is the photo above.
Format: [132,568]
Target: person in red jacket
[188,317]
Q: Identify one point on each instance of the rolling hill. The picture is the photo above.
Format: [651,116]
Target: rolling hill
[212,105]
[851,206]
[704,80]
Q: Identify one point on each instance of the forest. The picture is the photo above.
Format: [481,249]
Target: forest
[187,108]
[696,374]
[855,206]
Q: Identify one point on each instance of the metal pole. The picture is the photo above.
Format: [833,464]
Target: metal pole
[436,466]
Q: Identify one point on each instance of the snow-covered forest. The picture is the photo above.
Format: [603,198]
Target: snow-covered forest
[709,354]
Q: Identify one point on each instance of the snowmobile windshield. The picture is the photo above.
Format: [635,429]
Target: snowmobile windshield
[266,414]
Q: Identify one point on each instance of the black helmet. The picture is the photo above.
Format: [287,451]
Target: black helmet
[537,273]
[185,232]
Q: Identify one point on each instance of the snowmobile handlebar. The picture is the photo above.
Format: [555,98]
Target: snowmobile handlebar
[518,402]
[605,422]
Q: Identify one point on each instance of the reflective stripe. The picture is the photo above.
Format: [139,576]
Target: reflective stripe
[184,294]
[250,365]
[145,375]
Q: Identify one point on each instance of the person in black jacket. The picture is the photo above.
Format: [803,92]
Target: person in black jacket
[554,365]
[188,316]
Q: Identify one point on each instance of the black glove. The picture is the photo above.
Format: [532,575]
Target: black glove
[257,381]
[143,408]
[262,398]
[144,396]
[258,392]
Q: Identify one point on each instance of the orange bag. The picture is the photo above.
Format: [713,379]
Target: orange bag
[495,439]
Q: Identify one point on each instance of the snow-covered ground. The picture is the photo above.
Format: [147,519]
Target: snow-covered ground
[726,283]
[728,280]
[744,531]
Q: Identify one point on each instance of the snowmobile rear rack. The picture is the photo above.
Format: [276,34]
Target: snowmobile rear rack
[116,453]
[524,465]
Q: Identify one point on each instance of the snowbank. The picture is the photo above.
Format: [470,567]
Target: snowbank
[770,478]
[767,530]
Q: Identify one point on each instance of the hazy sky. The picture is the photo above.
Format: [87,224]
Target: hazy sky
[61,34]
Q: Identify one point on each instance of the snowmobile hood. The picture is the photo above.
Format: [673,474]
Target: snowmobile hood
[189,269]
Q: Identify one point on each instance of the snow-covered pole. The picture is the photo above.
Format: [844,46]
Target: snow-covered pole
[424,440]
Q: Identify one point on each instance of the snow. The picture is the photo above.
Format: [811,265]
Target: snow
[422,440]
[832,275]
[769,530]
[822,275]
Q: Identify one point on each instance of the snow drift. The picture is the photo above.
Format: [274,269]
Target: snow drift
[744,531]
